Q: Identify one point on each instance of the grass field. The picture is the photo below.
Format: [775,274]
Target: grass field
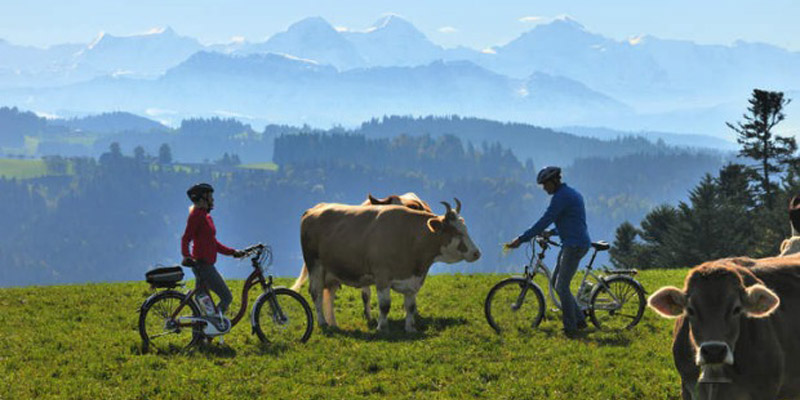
[81,342]
[21,168]
[268,166]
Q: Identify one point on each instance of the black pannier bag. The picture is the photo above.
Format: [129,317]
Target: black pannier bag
[164,277]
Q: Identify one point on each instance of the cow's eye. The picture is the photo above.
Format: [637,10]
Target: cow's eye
[690,311]
[737,311]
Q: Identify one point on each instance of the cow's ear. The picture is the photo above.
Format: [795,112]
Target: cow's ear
[435,225]
[760,302]
[668,302]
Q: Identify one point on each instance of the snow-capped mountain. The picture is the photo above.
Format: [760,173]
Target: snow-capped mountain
[286,89]
[558,72]
[148,54]
[393,41]
[313,39]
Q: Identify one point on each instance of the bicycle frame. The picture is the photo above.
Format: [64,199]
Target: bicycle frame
[256,278]
[538,266]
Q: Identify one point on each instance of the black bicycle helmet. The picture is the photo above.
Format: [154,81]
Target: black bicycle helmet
[199,190]
[547,173]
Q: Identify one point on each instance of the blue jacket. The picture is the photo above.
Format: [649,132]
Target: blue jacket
[569,214]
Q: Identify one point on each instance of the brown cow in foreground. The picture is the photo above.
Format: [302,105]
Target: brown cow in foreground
[410,200]
[737,335]
[391,247]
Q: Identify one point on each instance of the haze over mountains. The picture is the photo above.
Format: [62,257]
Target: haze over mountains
[556,74]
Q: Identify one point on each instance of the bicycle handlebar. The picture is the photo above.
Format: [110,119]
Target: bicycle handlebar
[541,240]
[250,249]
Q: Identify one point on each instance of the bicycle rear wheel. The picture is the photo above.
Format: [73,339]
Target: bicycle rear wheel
[618,305]
[283,317]
[514,305]
[159,330]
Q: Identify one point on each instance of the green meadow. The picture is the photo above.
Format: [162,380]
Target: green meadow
[21,168]
[82,342]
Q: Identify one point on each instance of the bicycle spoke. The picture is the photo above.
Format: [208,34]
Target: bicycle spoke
[514,306]
[618,304]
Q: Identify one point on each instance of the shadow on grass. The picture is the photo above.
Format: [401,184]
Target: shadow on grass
[272,349]
[426,326]
[592,335]
[213,349]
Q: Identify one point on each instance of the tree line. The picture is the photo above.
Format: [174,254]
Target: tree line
[113,217]
[740,210]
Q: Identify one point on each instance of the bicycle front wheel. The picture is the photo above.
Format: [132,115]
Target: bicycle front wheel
[164,330]
[283,317]
[514,305]
[617,305]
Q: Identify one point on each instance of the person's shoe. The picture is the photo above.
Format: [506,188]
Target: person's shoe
[573,334]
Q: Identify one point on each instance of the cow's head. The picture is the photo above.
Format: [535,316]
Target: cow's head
[409,200]
[458,245]
[715,301]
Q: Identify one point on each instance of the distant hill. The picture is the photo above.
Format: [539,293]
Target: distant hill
[109,123]
[674,139]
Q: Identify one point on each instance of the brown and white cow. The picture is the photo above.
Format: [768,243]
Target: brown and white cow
[737,335]
[410,200]
[391,247]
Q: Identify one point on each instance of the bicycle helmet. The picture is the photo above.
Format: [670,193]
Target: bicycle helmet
[199,190]
[548,173]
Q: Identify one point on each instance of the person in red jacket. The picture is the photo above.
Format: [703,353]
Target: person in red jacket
[200,231]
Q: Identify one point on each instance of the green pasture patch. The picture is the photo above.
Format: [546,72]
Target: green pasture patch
[22,168]
[268,166]
[81,342]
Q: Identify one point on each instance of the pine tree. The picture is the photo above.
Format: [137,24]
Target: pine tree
[624,251]
[772,152]
[164,154]
[700,234]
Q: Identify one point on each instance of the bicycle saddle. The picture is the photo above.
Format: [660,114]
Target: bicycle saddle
[601,245]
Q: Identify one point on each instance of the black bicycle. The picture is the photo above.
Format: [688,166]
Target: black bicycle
[171,320]
[616,301]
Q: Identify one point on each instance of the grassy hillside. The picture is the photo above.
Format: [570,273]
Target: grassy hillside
[21,169]
[81,342]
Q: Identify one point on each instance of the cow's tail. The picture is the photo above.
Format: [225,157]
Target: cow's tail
[301,279]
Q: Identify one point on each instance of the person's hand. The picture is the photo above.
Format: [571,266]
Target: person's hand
[188,262]
[239,254]
[512,244]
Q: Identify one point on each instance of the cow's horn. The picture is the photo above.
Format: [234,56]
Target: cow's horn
[372,199]
[458,205]
[446,204]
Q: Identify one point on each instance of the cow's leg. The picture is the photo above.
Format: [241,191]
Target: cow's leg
[410,305]
[384,303]
[329,313]
[316,285]
[366,292]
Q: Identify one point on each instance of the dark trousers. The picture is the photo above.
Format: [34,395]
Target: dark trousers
[208,276]
[568,261]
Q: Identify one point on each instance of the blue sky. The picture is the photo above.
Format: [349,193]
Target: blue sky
[477,24]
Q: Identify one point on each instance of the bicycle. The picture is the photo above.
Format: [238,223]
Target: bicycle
[172,320]
[616,301]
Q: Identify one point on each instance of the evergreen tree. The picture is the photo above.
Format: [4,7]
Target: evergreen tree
[624,251]
[164,154]
[772,152]
[700,234]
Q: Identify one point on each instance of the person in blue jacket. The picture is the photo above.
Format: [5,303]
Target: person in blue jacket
[568,213]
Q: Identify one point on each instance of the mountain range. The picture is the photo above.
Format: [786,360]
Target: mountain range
[556,74]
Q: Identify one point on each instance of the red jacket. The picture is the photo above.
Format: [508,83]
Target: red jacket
[200,230]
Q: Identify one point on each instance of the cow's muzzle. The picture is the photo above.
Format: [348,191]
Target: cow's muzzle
[711,353]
